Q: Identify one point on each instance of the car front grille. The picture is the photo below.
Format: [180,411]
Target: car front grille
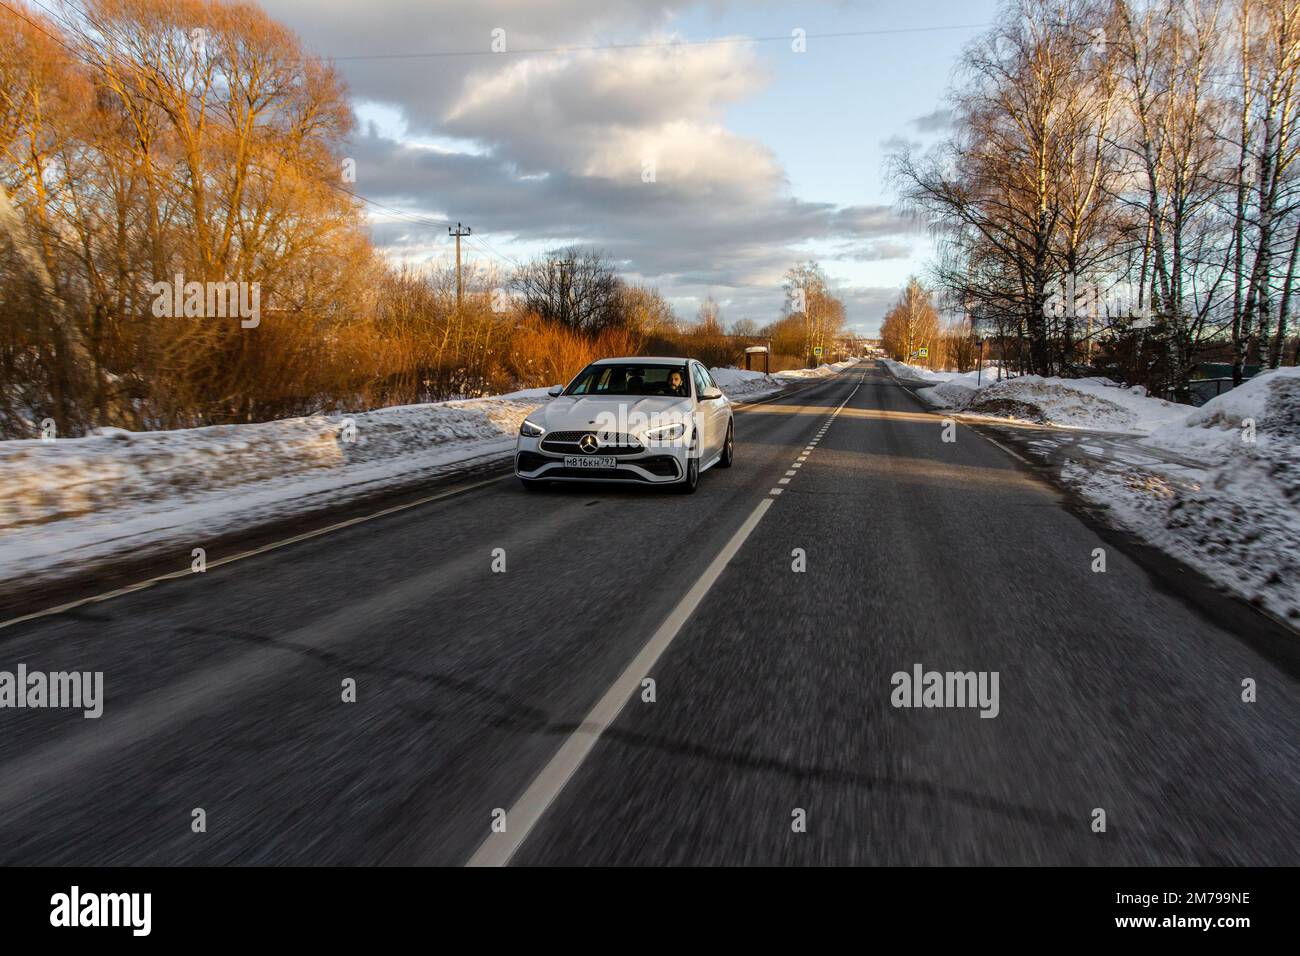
[566,443]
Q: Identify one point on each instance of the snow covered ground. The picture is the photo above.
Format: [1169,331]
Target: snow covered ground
[1224,495]
[76,502]
[919,373]
[1217,486]
[73,503]
[742,386]
[1095,403]
[821,371]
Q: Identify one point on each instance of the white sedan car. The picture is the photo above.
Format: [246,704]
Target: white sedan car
[656,421]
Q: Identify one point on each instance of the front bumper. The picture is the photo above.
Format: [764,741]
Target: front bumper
[654,465]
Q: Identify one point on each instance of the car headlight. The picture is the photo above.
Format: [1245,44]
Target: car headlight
[666,432]
[531,429]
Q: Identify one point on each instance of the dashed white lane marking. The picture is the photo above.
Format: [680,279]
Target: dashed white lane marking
[498,848]
[821,433]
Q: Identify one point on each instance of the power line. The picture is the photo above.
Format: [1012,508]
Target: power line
[657,44]
[494,251]
[617,47]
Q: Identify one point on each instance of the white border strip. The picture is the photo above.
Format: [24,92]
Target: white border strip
[172,575]
[498,848]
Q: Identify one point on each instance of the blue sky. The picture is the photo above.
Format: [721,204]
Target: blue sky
[761,156]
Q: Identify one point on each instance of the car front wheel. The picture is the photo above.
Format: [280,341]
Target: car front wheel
[728,448]
[688,484]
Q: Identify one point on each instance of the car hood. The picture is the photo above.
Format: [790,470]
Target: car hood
[621,413]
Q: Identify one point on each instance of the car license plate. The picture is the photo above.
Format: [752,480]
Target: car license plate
[589,461]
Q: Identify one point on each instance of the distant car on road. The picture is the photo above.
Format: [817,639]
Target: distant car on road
[653,421]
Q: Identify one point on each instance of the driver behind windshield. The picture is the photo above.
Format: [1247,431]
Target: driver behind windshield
[676,384]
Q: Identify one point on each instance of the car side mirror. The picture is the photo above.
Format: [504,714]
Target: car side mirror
[554,390]
[710,393]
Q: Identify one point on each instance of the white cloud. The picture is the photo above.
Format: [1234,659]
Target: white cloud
[559,141]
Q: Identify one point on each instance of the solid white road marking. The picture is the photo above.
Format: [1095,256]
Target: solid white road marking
[498,848]
[1009,451]
[337,526]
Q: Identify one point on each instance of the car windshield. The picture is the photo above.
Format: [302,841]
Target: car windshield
[631,379]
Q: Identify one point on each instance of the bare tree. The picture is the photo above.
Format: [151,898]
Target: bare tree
[911,324]
[575,288]
[819,312]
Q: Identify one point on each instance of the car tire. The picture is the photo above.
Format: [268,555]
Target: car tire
[688,484]
[728,447]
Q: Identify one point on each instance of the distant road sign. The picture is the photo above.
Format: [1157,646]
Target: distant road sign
[817,350]
[924,353]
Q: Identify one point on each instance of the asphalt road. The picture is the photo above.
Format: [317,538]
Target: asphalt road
[481,691]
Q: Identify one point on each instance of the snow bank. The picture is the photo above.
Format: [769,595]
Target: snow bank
[1096,403]
[1228,506]
[1270,400]
[821,371]
[918,373]
[1244,516]
[958,388]
[741,385]
[945,389]
[74,502]
[112,469]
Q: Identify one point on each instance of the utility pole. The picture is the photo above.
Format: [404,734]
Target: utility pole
[458,233]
